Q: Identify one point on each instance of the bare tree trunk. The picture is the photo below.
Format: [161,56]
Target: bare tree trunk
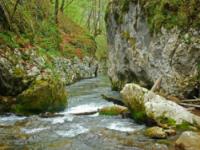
[15,9]
[56,11]
[6,14]
[62,6]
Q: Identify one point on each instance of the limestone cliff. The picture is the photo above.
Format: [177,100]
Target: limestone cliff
[149,39]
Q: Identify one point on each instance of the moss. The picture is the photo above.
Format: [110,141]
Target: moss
[171,13]
[161,13]
[117,85]
[132,42]
[112,110]
[184,126]
[167,121]
[119,13]
[42,96]
[19,72]
[137,108]
[139,116]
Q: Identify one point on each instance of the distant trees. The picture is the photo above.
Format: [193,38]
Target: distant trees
[95,17]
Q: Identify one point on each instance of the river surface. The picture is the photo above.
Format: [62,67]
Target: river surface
[71,132]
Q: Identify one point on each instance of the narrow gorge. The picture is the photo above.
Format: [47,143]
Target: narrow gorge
[100,75]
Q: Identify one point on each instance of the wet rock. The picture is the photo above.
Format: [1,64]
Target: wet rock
[188,141]
[156,132]
[158,147]
[113,110]
[138,55]
[170,132]
[145,104]
[42,96]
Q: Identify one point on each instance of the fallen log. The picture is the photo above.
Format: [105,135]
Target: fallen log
[191,100]
[112,99]
[190,105]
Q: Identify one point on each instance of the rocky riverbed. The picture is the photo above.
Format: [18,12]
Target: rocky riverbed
[90,132]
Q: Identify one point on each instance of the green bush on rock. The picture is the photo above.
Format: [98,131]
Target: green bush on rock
[44,95]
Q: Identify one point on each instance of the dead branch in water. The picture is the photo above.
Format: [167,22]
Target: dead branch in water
[190,105]
[85,113]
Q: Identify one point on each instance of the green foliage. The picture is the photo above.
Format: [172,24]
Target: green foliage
[166,120]
[48,36]
[8,39]
[184,126]
[112,111]
[78,11]
[32,25]
[101,52]
[172,13]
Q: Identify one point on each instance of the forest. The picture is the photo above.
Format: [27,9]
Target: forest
[100,74]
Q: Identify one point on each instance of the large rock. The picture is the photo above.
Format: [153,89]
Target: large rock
[42,96]
[138,54]
[188,141]
[145,104]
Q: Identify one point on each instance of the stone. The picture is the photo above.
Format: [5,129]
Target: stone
[113,110]
[170,132]
[188,141]
[156,132]
[152,106]
[140,56]
[42,96]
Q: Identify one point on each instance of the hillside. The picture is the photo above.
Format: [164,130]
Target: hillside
[37,52]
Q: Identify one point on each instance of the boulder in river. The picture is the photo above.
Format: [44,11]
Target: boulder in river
[188,141]
[44,95]
[145,105]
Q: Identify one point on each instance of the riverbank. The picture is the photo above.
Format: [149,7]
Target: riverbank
[27,72]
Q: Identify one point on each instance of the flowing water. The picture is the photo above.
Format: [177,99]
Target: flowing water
[71,132]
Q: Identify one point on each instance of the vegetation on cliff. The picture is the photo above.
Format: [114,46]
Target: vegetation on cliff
[163,13]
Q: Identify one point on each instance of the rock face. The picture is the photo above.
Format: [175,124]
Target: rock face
[188,141]
[138,54]
[145,104]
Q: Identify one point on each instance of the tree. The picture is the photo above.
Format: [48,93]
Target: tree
[15,8]
[56,11]
[64,4]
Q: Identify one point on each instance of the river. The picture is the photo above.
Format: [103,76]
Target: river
[71,132]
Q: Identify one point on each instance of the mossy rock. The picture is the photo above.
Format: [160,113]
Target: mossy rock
[113,110]
[42,96]
[156,132]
